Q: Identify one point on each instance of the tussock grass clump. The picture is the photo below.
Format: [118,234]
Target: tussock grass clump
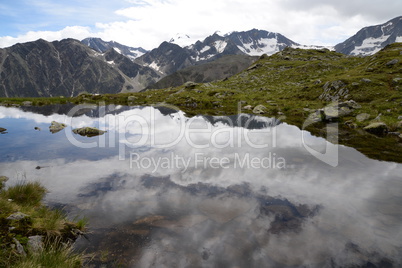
[25,200]
[54,254]
[25,193]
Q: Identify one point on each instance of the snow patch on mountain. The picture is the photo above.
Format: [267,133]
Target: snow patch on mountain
[267,46]
[220,46]
[117,50]
[370,46]
[155,66]
[205,49]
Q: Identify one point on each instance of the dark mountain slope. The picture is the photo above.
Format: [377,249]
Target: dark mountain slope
[67,68]
[223,67]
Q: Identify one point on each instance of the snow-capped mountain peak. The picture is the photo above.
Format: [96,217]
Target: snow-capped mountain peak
[182,40]
[101,46]
[370,40]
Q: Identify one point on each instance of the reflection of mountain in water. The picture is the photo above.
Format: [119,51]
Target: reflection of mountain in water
[247,121]
[90,110]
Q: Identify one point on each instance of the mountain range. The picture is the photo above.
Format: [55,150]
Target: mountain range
[70,67]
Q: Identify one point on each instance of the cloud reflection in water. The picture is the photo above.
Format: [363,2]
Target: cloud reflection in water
[212,214]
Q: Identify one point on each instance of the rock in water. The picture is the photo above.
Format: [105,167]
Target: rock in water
[3,130]
[88,131]
[56,127]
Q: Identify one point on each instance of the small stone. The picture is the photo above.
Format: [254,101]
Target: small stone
[362,117]
[248,107]
[366,80]
[350,124]
[20,248]
[260,109]
[17,216]
[392,62]
[131,98]
[35,243]
[396,81]
[316,82]
[190,85]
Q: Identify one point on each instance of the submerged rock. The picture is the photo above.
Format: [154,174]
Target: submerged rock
[56,127]
[88,131]
[377,128]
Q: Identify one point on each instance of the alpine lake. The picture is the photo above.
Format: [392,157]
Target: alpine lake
[161,189]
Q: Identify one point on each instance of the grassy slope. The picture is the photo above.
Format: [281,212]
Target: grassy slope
[288,83]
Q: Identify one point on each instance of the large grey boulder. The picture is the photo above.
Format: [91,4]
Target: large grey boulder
[377,128]
[339,109]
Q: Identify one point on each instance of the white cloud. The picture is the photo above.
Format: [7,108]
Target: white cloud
[77,32]
[147,23]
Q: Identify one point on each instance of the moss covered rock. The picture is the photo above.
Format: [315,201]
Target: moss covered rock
[88,131]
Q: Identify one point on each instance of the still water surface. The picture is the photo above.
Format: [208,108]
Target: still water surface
[164,190]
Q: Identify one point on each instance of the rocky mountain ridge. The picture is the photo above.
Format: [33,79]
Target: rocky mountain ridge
[67,68]
[103,46]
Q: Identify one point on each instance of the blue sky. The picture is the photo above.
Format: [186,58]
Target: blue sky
[147,23]
[20,16]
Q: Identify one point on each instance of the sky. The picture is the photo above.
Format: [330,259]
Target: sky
[147,23]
